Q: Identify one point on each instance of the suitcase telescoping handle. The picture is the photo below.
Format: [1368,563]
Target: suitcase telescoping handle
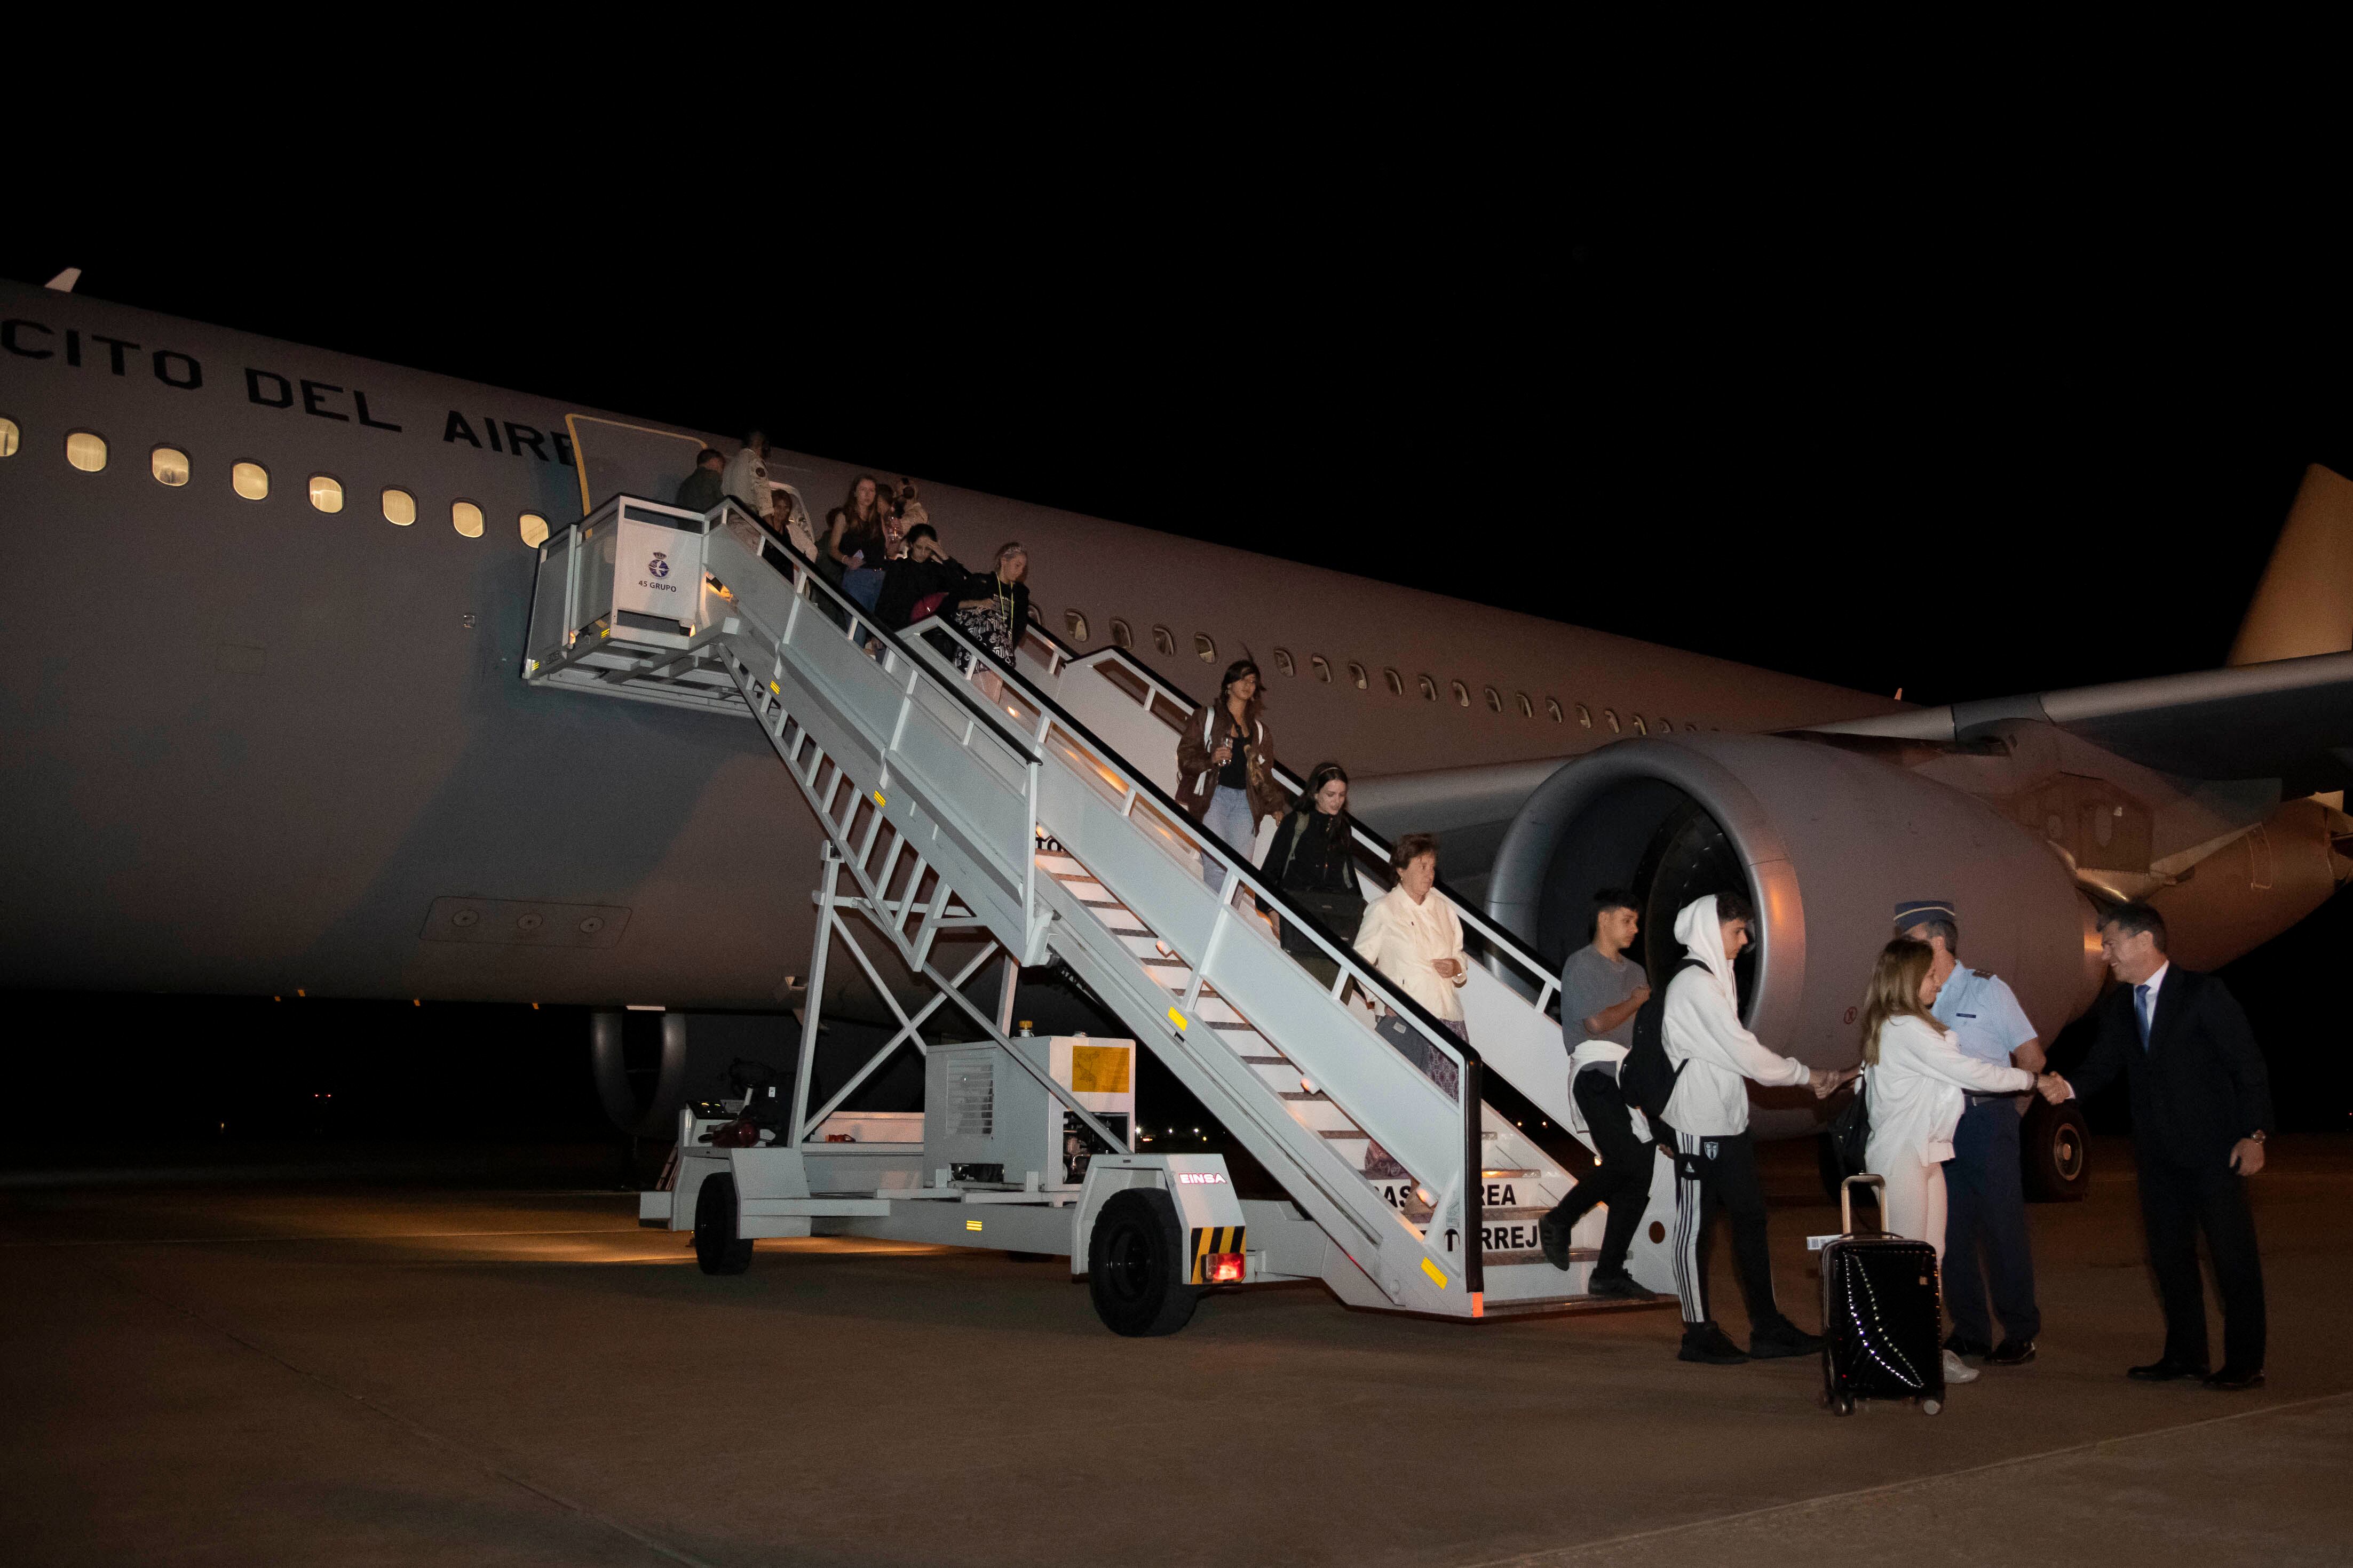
[1846,1201]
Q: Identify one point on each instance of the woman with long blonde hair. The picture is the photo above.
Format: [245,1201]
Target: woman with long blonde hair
[1916,1077]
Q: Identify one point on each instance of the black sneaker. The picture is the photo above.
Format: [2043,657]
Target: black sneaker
[1617,1288]
[1967,1348]
[1706,1343]
[1554,1238]
[2011,1352]
[1782,1339]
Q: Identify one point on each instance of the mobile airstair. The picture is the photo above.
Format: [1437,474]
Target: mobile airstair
[975,813]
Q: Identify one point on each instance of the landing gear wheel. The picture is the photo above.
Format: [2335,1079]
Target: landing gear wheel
[1135,1270]
[2055,1148]
[717,1248]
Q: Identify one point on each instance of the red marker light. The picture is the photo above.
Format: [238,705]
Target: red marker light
[1223,1268]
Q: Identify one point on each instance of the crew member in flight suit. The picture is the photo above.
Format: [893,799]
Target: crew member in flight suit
[1985,1196]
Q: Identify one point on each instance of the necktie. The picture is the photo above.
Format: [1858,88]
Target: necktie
[2140,1010]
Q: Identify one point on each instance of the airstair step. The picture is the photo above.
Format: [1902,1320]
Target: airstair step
[1269,1061]
[1341,1136]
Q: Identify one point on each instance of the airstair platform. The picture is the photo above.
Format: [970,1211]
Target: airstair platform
[981,813]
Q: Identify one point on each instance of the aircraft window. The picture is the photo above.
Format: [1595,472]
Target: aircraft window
[1120,636]
[1396,682]
[1428,689]
[1322,667]
[1461,694]
[1584,717]
[1495,700]
[1639,728]
[399,508]
[1205,647]
[169,465]
[1283,661]
[1552,709]
[250,480]
[1610,715]
[1527,709]
[535,530]
[86,451]
[326,493]
[1357,673]
[466,517]
[1165,640]
[8,437]
[1075,623]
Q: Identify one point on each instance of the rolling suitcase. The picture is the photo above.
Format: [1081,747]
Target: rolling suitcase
[1883,1317]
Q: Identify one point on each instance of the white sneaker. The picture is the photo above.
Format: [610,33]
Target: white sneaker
[1958,1370]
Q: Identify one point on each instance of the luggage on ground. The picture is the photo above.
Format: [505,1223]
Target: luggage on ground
[1883,1317]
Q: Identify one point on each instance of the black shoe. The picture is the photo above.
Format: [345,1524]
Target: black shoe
[2011,1352]
[1618,1288]
[2235,1379]
[1554,1238]
[1782,1339]
[2163,1370]
[1706,1343]
[1977,1348]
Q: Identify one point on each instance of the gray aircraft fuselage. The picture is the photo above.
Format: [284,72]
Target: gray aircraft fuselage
[256,741]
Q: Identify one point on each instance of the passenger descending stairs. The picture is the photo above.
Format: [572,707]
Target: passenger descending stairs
[966,802]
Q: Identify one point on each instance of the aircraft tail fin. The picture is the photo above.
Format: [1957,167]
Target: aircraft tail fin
[2304,601]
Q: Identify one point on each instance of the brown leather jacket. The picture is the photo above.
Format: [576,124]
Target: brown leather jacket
[1197,775]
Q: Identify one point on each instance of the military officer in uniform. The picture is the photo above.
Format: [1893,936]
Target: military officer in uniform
[1985,1196]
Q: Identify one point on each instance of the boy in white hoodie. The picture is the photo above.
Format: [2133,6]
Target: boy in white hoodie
[1716,1162]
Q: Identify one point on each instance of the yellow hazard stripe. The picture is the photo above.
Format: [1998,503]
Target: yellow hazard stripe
[1211,1238]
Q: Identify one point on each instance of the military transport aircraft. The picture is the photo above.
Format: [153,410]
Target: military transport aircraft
[266,731]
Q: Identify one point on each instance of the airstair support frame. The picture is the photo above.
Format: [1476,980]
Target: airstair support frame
[897,753]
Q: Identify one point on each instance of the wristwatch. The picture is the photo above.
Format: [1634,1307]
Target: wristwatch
[2257,1136]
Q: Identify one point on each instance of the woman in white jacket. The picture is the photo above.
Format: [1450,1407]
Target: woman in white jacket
[1916,1077]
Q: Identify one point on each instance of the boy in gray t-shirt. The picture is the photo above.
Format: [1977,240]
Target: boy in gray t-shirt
[1597,987]
[1601,991]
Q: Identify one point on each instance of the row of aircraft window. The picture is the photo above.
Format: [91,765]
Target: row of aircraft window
[1206,647]
[86,450]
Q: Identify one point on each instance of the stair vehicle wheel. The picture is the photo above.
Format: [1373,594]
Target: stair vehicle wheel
[717,1248]
[1135,1270]
[1842,1404]
[2056,1147]
[1930,1406]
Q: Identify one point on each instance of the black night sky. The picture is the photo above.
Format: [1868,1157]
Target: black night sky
[1963,444]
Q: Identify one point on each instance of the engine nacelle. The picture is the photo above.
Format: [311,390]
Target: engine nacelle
[1827,844]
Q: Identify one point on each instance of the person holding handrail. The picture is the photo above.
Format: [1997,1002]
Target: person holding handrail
[1414,938]
[1312,859]
[1225,768]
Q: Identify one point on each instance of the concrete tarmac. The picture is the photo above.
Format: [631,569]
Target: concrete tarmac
[281,1373]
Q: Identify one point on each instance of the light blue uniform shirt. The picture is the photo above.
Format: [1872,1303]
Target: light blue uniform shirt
[1984,1017]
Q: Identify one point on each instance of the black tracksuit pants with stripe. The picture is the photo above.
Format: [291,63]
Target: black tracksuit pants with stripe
[1719,1172]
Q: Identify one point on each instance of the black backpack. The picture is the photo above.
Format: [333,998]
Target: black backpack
[1646,1078]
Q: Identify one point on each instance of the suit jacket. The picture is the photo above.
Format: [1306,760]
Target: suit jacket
[2200,1086]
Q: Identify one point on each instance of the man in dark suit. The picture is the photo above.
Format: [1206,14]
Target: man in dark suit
[2201,1108]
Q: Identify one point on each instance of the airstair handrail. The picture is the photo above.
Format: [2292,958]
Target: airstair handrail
[1508,944]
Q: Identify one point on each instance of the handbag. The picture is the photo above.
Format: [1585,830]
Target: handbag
[1851,1131]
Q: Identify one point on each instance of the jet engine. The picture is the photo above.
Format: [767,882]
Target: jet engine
[1826,842]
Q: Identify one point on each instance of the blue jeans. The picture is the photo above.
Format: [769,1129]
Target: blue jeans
[1230,818]
[863,584]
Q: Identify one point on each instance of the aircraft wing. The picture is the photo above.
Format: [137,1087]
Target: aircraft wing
[2290,719]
